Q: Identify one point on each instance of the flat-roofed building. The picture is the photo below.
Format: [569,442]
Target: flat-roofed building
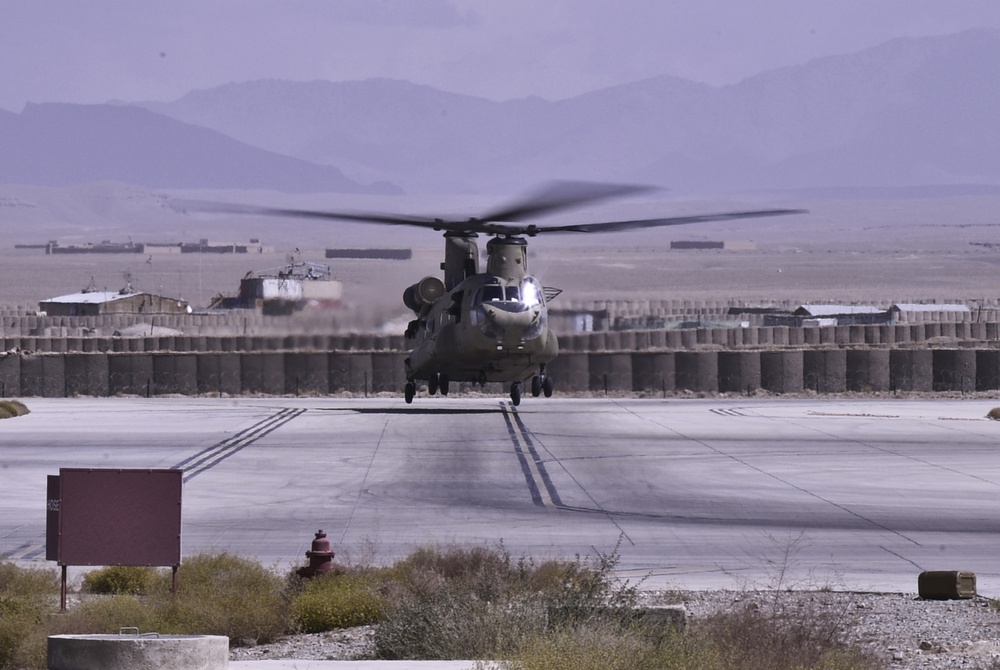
[96,303]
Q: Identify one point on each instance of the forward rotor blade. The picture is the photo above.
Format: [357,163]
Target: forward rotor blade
[254,210]
[559,195]
[612,226]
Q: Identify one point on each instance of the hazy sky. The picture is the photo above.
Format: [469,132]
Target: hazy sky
[96,50]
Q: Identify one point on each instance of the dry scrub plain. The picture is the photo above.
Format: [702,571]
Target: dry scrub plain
[878,251]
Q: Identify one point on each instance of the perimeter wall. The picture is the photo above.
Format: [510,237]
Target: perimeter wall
[924,357]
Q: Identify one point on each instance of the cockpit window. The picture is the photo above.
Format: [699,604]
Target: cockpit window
[491,293]
[528,293]
[531,292]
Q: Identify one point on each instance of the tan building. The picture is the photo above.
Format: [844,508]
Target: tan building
[95,303]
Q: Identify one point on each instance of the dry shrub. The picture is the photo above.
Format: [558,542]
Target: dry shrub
[135,580]
[994,414]
[457,603]
[745,639]
[779,639]
[227,595]
[109,614]
[27,597]
[12,408]
[595,646]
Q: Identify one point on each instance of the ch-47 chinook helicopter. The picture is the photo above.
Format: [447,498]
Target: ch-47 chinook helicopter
[492,326]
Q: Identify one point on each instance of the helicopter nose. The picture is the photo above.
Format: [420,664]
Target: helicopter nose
[509,327]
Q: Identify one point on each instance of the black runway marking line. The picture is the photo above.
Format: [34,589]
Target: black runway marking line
[217,453]
[531,463]
[529,476]
[25,552]
[727,411]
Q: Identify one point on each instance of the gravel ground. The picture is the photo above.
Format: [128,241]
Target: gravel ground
[906,632]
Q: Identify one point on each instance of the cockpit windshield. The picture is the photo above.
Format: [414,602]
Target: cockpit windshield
[526,294]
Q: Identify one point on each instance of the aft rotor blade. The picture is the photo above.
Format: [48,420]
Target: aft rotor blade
[559,195]
[612,226]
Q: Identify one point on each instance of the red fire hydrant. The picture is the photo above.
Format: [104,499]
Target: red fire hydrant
[320,558]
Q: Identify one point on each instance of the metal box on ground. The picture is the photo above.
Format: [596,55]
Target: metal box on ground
[946,584]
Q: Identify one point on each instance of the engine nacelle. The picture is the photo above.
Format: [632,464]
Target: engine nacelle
[423,294]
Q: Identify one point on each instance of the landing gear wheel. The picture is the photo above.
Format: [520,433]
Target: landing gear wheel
[515,393]
[443,383]
[536,386]
[409,391]
[432,384]
[547,386]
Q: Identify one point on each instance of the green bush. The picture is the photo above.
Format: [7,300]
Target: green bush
[135,580]
[337,601]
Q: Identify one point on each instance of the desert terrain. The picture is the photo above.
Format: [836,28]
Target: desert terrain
[874,250]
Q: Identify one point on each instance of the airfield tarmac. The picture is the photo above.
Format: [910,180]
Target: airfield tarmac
[696,493]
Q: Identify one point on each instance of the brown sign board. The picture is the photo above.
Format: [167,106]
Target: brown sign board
[114,517]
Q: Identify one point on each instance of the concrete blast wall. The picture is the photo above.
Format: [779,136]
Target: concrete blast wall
[362,373]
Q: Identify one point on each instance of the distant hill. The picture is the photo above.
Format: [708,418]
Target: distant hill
[65,145]
[908,113]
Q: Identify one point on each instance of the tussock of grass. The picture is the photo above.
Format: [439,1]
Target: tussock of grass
[12,408]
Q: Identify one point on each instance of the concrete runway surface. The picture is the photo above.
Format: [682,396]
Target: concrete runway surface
[696,493]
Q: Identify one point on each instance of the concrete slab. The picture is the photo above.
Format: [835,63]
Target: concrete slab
[702,493]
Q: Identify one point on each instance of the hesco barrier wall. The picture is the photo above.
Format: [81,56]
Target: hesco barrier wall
[777,337]
[369,372]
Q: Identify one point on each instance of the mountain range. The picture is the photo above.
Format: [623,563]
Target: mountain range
[57,144]
[912,112]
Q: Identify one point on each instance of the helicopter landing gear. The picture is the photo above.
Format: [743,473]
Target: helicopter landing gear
[438,382]
[409,391]
[542,384]
[482,378]
[515,393]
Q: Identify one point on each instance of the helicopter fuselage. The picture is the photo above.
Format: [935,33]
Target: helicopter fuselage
[486,329]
